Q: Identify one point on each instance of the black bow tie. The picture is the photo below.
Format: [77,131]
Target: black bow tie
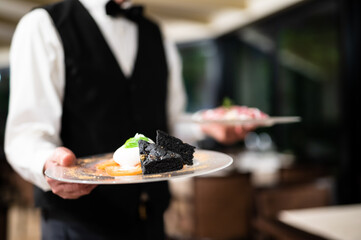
[132,13]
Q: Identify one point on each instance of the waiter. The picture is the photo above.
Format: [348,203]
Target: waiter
[85,76]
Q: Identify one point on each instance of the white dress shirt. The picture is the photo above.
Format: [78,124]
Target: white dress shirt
[37,75]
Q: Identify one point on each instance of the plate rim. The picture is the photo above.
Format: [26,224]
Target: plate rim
[228,160]
[261,122]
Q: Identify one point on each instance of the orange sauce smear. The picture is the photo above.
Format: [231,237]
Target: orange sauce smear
[112,168]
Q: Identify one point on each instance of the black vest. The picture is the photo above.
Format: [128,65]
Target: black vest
[102,108]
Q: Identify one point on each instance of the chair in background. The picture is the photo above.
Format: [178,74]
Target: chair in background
[302,173]
[222,207]
[18,217]
[269,203]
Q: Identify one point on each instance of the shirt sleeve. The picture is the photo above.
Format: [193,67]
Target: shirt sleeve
[177,99]
[176,96]
[36,93]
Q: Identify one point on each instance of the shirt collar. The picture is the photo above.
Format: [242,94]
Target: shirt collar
[94,4]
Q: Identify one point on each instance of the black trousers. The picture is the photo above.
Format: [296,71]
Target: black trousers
[54,228]
[87,219]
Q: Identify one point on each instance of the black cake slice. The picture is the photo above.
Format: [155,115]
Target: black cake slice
[176,145]
[156,159]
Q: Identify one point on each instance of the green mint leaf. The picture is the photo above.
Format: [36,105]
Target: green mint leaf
[133,142]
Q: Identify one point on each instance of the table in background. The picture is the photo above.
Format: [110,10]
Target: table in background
[341,222]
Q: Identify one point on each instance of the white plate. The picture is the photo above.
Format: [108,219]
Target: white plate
[84,171]
[266,122]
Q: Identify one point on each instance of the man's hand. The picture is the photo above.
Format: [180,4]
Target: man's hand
[226,134]
[64,157]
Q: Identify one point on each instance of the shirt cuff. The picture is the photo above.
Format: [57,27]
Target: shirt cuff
[38,167]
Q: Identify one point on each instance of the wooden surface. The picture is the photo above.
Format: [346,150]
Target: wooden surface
[23,223]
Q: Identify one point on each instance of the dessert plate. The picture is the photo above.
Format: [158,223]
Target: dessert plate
[265,122]
[205,162]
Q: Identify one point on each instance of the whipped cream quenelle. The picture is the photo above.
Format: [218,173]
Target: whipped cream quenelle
[127,156]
